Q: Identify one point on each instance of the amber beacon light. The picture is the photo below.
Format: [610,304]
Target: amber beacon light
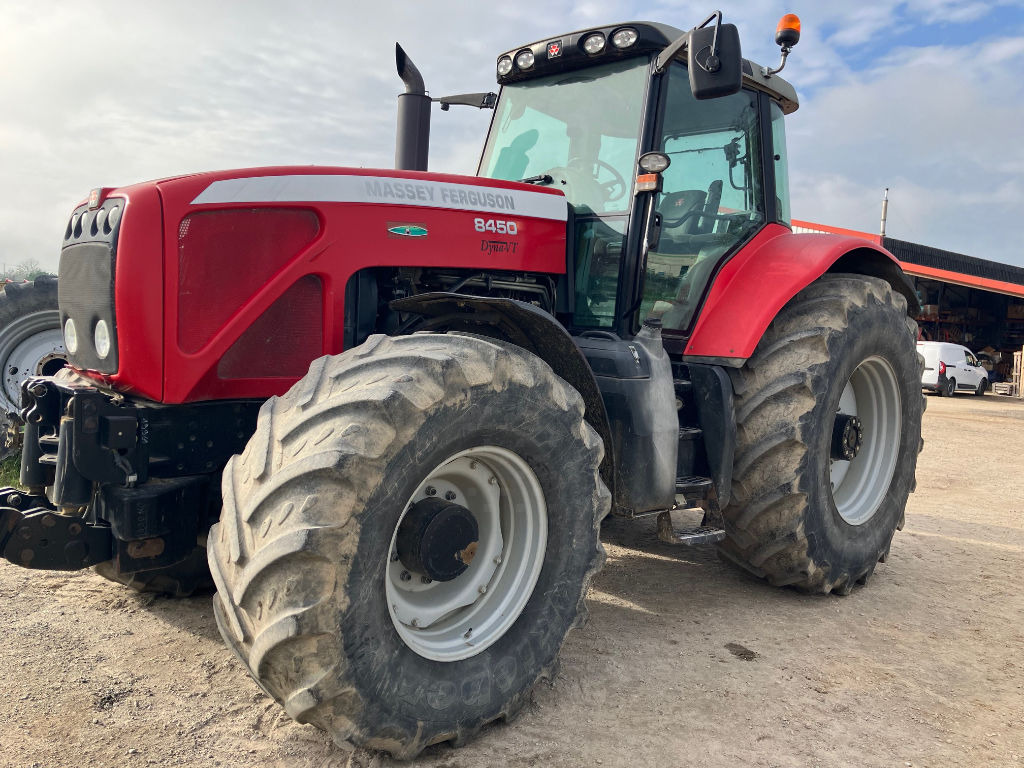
[787,34]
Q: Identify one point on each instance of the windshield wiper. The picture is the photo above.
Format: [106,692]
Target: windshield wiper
[543,178]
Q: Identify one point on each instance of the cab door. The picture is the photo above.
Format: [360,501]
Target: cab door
[712,198]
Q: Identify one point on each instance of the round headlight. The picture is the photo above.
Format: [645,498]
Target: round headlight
[654,162]
[624,38]
[102,339]
[70,336]
[524,59]
[593,43]
[504,65]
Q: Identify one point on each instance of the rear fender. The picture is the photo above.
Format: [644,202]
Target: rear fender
[528,327]
[757,282]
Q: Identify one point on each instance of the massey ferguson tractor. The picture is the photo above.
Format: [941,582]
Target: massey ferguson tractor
[390,408]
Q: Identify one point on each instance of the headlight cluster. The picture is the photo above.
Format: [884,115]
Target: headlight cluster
[592,44]
[101,338]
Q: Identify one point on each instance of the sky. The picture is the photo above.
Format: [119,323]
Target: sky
[925,97]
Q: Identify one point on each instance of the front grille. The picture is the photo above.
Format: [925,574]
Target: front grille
[85,291]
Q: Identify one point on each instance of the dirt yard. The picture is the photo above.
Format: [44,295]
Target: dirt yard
[685,661]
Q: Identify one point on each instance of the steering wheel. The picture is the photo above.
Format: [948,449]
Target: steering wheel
[577,181]
[610,186]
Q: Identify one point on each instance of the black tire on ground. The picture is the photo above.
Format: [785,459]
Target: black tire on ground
[189,577]
[27,310]
[982,387]
[301,552]
[949,389]
[783,521]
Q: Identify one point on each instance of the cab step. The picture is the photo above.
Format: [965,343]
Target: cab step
[690,537]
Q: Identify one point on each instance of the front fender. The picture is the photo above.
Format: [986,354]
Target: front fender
[751,288]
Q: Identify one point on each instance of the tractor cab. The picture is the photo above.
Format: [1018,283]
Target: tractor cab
[577,112]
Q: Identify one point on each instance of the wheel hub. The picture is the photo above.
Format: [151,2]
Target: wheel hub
[437,539]
[847,437]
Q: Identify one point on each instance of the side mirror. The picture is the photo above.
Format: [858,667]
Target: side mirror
[714,61]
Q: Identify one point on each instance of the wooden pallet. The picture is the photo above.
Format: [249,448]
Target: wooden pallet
[1005,388]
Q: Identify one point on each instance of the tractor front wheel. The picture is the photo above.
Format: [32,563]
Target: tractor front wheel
[408,538]
[828,413]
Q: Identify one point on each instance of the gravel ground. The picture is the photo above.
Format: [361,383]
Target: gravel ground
[686,661]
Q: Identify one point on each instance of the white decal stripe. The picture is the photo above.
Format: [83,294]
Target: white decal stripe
[322,188]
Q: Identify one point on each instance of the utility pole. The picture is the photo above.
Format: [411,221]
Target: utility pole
[885,213]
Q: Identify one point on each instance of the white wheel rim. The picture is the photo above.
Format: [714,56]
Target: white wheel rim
[27,346]
[453,620]
[859,486]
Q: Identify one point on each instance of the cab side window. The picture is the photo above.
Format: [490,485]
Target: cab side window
[711,197]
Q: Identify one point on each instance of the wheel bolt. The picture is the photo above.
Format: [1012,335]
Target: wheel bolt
[415,622]
[450,495]
[394,557]
[497,560]
[482,589]
[426,579]
[492,480]
[431,491]
[405,576]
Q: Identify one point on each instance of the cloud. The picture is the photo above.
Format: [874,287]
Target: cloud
[940,126]
[112,93]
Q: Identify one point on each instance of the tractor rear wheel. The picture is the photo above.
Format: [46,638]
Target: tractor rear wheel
[828,413]
[408,538]
[31,344]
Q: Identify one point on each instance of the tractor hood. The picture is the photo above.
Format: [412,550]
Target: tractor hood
[241,275]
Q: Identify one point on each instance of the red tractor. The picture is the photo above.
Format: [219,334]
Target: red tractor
[390,408]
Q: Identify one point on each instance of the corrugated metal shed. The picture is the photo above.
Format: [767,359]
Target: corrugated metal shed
[936,258]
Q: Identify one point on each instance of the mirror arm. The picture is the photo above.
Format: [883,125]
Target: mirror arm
[679,43]
[478,100]
[768,71]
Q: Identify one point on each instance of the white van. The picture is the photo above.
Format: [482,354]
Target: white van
[949,368]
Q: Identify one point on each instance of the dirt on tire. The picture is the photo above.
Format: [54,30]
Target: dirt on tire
[311,506]
[783,520]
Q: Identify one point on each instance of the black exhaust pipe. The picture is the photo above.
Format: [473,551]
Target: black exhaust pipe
[412,144]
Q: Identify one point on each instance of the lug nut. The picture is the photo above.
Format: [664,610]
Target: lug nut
[394,557]
[497,560]
[482,589]
[415,622]
[450,495]
[405,576]
[431,491]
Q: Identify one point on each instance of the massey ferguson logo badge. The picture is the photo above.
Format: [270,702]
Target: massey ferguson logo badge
[554,49]
[406,230]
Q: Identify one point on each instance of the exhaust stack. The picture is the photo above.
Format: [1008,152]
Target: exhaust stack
[412,143]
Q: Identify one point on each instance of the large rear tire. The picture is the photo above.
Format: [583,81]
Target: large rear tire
[316,596]
[31,344]
[836,374]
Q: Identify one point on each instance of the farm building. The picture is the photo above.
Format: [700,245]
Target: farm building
[964,299]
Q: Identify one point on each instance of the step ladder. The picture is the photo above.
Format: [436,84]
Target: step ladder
[697,492]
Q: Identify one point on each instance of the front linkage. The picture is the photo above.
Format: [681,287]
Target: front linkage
[130,481]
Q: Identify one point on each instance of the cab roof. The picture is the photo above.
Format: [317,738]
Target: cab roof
[563,53]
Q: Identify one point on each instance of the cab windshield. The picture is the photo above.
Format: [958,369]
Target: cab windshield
[580,128]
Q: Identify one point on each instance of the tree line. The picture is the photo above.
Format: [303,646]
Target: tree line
[27,269]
